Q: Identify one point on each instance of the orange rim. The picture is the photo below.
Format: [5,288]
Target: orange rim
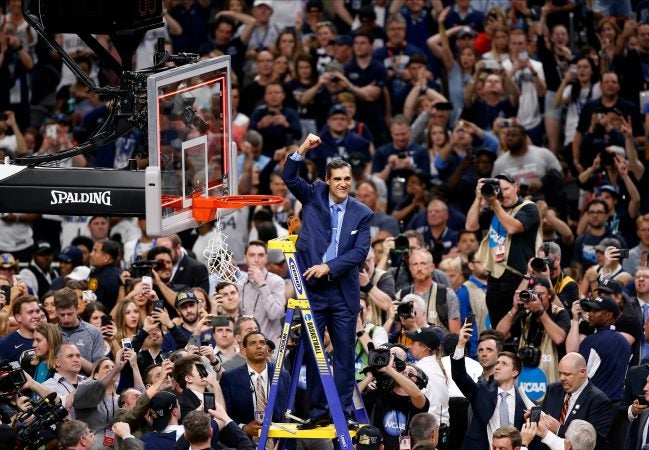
[204,208]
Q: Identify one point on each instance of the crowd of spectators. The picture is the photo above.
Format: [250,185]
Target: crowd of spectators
[423,98]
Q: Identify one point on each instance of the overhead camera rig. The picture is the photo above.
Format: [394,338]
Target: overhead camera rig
[125,22]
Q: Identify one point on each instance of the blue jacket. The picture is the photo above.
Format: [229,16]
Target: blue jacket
[315,237]
[238,393]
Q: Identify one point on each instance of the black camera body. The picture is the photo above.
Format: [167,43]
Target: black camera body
[401,245]
[40,421]
[540,264]
[490,187]
[12,378]
[530,356]
[528,295]
[405,309]
[377,358]
[144,267]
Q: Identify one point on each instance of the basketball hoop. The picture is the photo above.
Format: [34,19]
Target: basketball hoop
[217,252]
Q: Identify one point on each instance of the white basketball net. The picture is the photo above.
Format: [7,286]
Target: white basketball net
[219,256]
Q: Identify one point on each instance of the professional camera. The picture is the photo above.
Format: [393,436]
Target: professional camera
[530,356]
[490,187]
[405,309]
[528,295]
[38,425]
[145,267]
[540,264]
[401,245]
[12,378]
[377,358]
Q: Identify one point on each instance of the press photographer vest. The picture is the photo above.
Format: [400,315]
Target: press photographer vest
[487,255]
[549,363]
[436,307]
[477,299]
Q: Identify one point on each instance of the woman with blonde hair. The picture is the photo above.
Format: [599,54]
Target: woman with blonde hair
[127,322]
[47,339]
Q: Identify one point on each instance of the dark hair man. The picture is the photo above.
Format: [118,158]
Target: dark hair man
[513,225]
[331,248]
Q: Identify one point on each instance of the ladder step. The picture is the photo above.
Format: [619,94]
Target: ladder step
[289,430]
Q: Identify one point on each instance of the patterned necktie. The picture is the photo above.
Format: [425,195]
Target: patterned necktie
[644,346]
[332,250]
[503,411]
[260,399]
[564,409]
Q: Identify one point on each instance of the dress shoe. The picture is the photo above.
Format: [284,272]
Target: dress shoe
[351,423]
[314,422]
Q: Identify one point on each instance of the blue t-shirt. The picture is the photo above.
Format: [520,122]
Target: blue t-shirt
[13,345]
[370,113]
[609,353]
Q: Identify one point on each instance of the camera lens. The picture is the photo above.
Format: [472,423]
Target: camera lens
[487,190]
[538,264]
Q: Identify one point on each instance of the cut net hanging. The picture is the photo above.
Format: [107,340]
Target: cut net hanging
[219,257]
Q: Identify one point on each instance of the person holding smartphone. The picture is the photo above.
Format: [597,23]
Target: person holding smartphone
[194,380]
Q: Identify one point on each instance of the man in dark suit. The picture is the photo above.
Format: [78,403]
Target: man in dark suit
[188,272]
[496,402]
[635,386]
[186,373]
[246,388]
[575,397]
[330,268]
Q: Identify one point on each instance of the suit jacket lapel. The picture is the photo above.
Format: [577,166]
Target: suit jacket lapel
[641,427]
[346,227]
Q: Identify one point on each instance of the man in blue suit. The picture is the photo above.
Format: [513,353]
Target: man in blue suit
[496,403]
[246,388]
[331,268]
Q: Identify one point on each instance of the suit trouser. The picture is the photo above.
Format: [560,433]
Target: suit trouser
[500,295]
[331,311]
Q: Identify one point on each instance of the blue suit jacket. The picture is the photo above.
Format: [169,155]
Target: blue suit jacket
[483,397]
[594,407]
[235,384]
[315,235]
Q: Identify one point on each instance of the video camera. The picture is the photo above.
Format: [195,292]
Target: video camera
[490,187]
[38,425]
[378,358]
[12,378]
[145,267]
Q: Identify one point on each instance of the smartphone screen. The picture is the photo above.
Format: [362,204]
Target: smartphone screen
[194,340]
[202,371]
[105,320]
[535,414]
[470,319]
[642,400]
[208,401]
[126,343]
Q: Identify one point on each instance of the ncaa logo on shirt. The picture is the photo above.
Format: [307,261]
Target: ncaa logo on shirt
[394,422]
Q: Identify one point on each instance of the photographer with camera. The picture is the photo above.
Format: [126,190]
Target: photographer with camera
[538,326]
[398,394]
[442,305]
[513,231]
[496,402]
[548,264]
[408,315]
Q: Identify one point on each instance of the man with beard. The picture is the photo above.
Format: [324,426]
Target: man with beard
[528,164]
[187,308]
[442,307]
